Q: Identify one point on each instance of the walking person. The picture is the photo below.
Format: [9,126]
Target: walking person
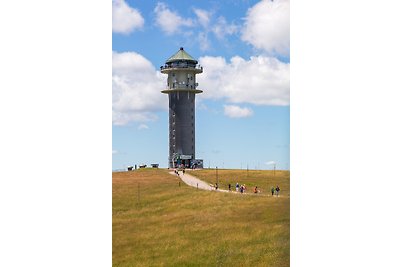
[277,189]
[229,187]
[272,190]
[237,187]
[255,190]
[216,186]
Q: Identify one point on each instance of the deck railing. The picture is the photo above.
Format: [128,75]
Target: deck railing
[181,66]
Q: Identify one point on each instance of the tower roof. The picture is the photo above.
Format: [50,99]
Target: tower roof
[181,55]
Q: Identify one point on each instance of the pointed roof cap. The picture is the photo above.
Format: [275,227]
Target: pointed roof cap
[181,55]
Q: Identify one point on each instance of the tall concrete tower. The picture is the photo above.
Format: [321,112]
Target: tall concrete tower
[181,89]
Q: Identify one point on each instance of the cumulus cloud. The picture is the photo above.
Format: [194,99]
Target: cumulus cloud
[267,26]
[125,19]
[233,111]
[260,80]
[169,21]
[136,87]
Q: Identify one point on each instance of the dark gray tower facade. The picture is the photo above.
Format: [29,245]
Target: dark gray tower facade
[181,89]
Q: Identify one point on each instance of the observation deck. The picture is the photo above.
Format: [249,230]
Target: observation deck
[181,66]
[182,88]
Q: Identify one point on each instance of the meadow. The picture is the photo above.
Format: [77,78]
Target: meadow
[159,221]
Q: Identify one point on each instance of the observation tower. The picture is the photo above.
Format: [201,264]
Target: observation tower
[181,89]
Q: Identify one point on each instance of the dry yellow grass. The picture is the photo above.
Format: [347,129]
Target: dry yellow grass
[170,225]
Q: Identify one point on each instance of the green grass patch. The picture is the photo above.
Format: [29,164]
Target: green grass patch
[156,222]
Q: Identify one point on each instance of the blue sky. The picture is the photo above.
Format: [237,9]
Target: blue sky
[243,116]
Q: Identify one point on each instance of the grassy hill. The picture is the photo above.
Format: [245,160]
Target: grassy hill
[156,222]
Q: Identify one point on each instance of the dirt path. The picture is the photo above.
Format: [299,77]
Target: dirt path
[196,182]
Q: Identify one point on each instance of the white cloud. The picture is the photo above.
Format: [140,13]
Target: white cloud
[222,28]
[169,21]
[267,26]
[261,80]
[125,19]
[203,16]
[270,162]
[233,111]
[143,127]
[114,152]
[136,87]
[204,41]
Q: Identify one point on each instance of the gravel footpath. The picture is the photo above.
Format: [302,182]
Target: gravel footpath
[196,182]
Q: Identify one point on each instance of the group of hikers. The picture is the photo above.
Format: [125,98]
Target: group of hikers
[177,172]
[241,188]
[275,190]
